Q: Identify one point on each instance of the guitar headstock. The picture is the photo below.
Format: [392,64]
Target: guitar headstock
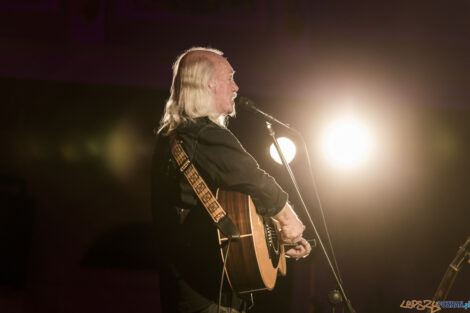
[463,255]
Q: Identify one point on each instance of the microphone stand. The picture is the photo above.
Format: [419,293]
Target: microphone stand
[294,182]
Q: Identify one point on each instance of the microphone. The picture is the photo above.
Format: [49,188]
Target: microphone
[249,105]
[245,103]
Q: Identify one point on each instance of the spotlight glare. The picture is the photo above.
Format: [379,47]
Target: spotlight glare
[287,147]
[347,142]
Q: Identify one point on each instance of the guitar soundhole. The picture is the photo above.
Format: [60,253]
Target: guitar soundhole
[272,240]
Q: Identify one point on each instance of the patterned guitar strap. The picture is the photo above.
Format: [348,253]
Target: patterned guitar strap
[205,195]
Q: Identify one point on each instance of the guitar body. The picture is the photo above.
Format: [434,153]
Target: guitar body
[256,258]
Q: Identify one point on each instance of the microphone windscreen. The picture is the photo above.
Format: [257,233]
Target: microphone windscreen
[245,103]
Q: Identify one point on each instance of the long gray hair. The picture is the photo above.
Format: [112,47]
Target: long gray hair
[190,95]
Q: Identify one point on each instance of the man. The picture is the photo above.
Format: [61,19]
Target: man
[202,96]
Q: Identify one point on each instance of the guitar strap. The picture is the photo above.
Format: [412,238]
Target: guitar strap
[205,195]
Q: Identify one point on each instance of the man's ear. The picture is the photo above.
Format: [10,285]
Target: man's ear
[213,85]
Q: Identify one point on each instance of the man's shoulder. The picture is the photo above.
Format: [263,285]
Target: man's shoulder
[204,127]
[213,132]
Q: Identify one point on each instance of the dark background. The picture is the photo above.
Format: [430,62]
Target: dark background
[83,84]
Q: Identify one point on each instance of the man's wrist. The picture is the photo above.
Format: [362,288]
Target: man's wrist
[286,215]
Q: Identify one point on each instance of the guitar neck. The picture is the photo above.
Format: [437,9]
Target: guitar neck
[463,254]
[446,284]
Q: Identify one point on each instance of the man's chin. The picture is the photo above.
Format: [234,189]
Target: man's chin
[232,111]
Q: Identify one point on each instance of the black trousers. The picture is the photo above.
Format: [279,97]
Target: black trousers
[223,309]
[176,296]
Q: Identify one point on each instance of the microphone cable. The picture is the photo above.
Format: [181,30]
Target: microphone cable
[319,202]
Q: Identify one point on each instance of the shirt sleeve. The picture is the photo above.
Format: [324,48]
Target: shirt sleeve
[220,156]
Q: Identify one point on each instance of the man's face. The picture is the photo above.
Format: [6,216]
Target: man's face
[224,88]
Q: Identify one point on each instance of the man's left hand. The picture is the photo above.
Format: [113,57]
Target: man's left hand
[301,250]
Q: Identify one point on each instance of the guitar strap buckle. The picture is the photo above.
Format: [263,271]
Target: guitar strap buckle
[185,165]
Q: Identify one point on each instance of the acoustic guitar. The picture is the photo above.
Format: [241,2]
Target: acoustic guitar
[255,259]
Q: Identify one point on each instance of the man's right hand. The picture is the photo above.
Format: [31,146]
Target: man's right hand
[291,227]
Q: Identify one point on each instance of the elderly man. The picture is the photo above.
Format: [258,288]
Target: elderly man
[202,97]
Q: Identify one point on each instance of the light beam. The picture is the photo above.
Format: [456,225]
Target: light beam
[347,142]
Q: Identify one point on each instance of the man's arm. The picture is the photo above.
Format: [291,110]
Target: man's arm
[224,163]
[223,159]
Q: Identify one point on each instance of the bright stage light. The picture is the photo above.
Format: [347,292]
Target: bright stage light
[287,148]
[347,142]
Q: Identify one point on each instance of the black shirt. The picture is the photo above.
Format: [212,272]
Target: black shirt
[188,247]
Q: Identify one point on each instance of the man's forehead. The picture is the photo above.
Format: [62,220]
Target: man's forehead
[225,64]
